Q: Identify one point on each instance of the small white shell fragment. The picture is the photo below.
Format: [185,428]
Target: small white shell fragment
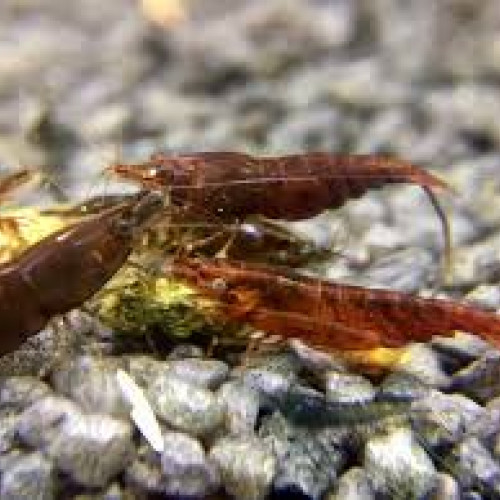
[141,412]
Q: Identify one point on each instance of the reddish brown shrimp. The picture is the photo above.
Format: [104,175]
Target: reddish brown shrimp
[63,270]
[233,186]
[325,314]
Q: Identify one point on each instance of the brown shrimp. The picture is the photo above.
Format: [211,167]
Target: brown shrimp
[325,314]
[63,270]
[13,180]
[233,186]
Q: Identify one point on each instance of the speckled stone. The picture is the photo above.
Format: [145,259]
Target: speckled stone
[145,472]
[486,296]
[92,383]
[481,379]
[92,448]
[476,468]
[404,270]
[308,462]
[41,423]
[268,382]
[487,425]
[442,419]
[8,427]
[209,373]
[353,485]
[247,466]
[423,363]
[463,346]
[397,465]
[183,351]
[186,406]
[399,386]
[29,477]
[242,407]
[348,388]
[187,472]
[144,369]
[447,488]
[19,392]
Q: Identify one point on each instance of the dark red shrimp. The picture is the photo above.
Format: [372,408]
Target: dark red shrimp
[233,186]
[63,270]
[326,314]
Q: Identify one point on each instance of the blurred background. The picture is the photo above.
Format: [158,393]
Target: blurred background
[86,81]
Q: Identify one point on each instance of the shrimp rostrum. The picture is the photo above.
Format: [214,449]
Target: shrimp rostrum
[233,186]
[65,269]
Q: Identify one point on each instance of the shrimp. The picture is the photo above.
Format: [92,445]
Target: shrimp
[325,314]
[233,186]
[14,180]
[65,269]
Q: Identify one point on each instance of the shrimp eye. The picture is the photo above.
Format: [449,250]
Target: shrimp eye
[218,285]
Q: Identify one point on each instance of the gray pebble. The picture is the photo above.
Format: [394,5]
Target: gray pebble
[116,492]
[31,477]
[496,446]
[464,346]
[348,388]
[424,363]
[42,422]
[8,427]
[487,425]
[9,458]
[477,263]
[485,296]
[92,448]
[268,383]
[442,419]
[186,406]
[481,379]
[144,369]
[310,129]
[145,472]
[403,270]
[399,386]
[242,407]
[247,466]
[284,363]
[476,468]
[447,488]
[186,470]
[308,461]
[91,382]
[353,485]
[471,495]
[20,392]
[362,84]
[315,360]
[397,465]
[182,351]
[209,373]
